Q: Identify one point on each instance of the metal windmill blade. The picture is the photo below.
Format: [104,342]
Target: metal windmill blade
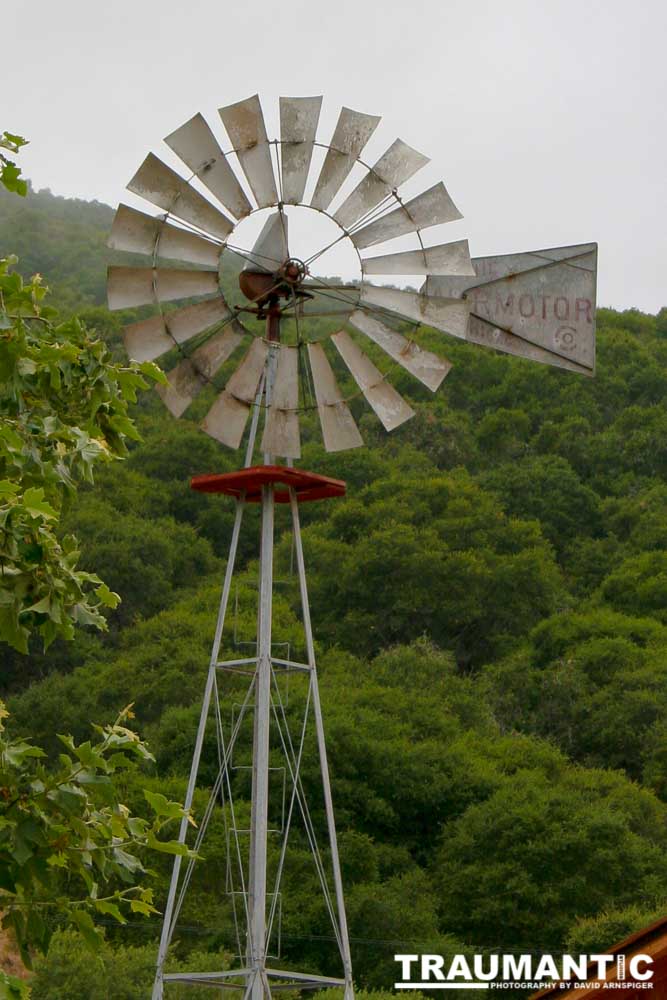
[538,305]
[299,117]
[245,127]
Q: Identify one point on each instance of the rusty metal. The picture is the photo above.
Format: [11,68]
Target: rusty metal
[539,304]
[281,429]
[150,338]
[448,258]
[397,165]
[244,122]
[431,208]
[389,406]
[138,286]
[352,132]
[227,418]
[192,374]
[156,182]
[198,148]
[339,430]
[447,314]
[137,232]
[424,365]
[299,117]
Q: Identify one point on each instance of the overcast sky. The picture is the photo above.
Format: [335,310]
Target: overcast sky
[546,120]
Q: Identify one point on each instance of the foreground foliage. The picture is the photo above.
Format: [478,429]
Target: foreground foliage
[70,850]
[64,408]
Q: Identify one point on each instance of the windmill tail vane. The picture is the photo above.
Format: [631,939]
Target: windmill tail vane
[538,305]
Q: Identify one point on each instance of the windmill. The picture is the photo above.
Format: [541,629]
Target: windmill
[538,305]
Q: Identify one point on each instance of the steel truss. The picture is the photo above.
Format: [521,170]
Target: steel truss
[261,901]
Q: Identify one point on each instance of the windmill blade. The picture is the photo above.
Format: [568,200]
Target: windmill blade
[448,258]
[150,338]
[487,335]
[226,419]
[191,374]
[394,167]
[270,249]
[352,132]
[137,232]
[299,117]
[138,286]
[492,268]
[339,430]
[430,208]
[543,298]
[428,368]
[196,145]
[162,186]
[281,431]
[389,406]
[448,315]
[245,126]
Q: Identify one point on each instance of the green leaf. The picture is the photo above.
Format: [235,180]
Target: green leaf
[109,598]
[84,923]
[35,504]
[162,806]
[166,846]
[104,906]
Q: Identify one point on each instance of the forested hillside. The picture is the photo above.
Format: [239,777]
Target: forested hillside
[490,603]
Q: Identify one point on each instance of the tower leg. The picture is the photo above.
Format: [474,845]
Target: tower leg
[167,923]
[321,746]
[257,944]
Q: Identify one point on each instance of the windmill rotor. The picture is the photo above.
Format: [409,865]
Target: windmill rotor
[539,305]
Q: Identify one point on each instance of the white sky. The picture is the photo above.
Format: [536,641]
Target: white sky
[546,120]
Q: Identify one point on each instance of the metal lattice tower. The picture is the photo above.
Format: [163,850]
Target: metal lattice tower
[538,305]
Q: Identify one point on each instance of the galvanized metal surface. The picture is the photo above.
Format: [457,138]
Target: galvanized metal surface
[339,430]
[149,338]
[281,431]
[259,804]
[137,232]
[137,286]
[430,208]
[196,145]
[227,418]
[448,258]
[397,165]
[244,122]
[389,406]
[168,918]
[299,117]
[352,132]
[162,186]
[544,299]
[493,268]
[191,374]
[425,366]
[344,942]
[448,315]
[270,249]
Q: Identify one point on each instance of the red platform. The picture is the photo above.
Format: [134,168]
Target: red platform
[306,485]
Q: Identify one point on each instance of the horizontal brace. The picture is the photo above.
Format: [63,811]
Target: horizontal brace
[304,977]
[290,664]
[237,663]
[175,977]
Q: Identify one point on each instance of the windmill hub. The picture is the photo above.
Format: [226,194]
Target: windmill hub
[294,271]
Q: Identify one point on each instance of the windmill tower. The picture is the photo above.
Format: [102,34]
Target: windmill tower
[539,305]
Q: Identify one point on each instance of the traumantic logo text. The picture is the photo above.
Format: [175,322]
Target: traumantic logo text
[504,972]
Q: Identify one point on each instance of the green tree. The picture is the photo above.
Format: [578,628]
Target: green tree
[64,408]
[69,848]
